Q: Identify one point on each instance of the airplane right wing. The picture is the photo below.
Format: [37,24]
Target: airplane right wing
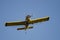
[39,20]
[14,23]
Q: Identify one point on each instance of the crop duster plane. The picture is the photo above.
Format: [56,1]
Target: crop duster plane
[27,22]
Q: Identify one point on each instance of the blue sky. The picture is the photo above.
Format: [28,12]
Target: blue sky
[16,10]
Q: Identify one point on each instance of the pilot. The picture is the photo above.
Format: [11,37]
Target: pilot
[28,18]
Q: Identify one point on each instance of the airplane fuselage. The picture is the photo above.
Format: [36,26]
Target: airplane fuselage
[27,20]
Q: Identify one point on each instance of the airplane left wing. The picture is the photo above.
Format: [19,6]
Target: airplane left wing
[14,23]
[39,20]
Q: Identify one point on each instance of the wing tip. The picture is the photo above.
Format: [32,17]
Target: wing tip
[48,18]
[5,24]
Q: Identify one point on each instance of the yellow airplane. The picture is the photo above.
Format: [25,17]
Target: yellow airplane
[26,22]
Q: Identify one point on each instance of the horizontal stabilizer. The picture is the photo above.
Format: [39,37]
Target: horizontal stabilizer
[20,28]
[30,27]
[24,28]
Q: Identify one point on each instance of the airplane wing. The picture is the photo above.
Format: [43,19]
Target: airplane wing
[14,23]
[39,20]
